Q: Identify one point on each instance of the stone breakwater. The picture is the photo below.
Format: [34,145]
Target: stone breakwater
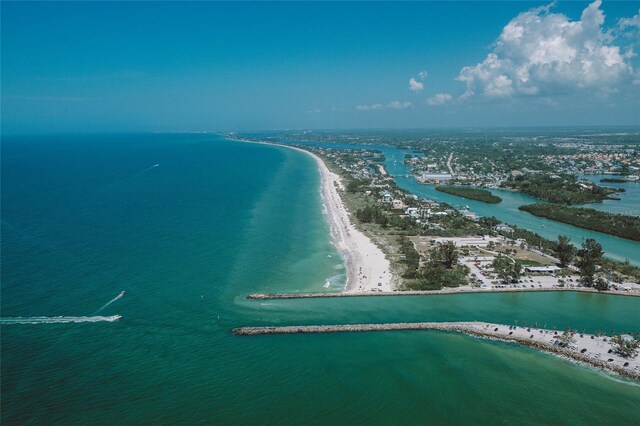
[264,296]
[589,349]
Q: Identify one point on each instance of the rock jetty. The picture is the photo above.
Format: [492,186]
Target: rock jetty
[586,348]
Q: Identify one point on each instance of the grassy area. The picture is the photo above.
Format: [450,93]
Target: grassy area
[470,193]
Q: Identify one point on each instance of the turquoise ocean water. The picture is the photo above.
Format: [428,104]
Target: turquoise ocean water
[84,218]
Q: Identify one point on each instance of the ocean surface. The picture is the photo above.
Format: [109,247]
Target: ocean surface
[188,225]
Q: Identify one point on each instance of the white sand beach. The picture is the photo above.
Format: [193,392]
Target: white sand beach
[368,269]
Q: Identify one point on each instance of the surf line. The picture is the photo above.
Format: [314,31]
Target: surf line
[57,320]
[118,297]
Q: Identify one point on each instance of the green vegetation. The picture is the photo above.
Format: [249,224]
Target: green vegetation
[623,268]
[625,346]
[563,189]
[372,214]
[436,277]
[589,257]
[508,270]
[471,193]
[622,226]
[564,250]
[613,180]
[411,257]
[565,339]
[440,270]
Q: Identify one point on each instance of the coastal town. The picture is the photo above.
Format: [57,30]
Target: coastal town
[395,243]
[437,247]
[320,212]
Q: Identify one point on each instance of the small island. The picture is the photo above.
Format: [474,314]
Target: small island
[620,225]
[561,189]
[471,193]
[613,180]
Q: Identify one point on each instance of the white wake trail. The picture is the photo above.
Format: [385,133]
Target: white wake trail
[118,297]
[57,320]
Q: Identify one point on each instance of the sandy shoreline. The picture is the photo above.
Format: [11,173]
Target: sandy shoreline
[368,270]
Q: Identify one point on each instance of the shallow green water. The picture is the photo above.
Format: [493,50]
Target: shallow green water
[82,220]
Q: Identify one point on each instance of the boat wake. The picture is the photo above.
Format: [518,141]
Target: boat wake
[118,297]
[57,320]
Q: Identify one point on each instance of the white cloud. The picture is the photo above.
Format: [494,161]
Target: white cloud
[631,26]
[545,53]
[399,105]
[439,99]
[415,85]
[423,75]
[369,107]
[390,105]
[315,111]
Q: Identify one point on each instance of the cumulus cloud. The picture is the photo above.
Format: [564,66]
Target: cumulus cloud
[423,75]
[415,85]
[545,53]
[439,99]
[390,105]
[630,27]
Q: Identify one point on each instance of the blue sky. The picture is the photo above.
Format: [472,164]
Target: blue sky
[83,67]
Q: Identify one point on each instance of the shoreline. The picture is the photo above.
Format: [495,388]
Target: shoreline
[368,269]
[586,348]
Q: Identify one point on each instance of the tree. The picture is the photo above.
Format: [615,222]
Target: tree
[565,339]
[589,256]
[516,271]
[625,345]
[508,271]
[448,254]
[564,250]
[601,284]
